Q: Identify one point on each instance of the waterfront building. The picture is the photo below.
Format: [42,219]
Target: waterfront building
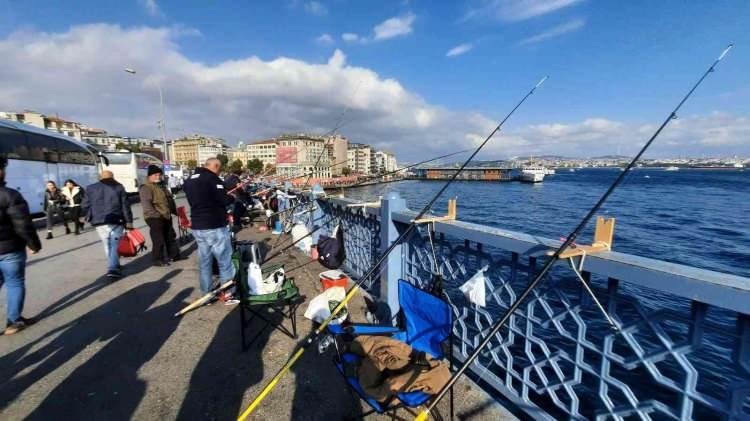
[359,157]
[265,150]
[301,154]
[383,162]
[196,148]
[337,152]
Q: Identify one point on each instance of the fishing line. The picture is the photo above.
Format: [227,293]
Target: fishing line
[568,241]
[375,267]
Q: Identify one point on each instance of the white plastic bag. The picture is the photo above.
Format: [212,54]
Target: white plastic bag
[301,236]
[320,307]
[473,289]
[259,286]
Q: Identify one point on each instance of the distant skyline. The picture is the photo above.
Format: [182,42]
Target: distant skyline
[420,78]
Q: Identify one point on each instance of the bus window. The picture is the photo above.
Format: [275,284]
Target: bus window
[42,148]
[119,158]
[71,153]
[13,144]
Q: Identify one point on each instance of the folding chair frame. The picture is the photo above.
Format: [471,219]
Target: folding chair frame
[287,307]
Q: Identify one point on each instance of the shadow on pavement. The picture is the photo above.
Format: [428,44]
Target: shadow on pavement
[318,380]
[51,256]
[129,330]
[224,372]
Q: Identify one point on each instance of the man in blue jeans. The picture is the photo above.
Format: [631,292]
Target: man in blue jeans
[108,209]
[16,234]
[208,201]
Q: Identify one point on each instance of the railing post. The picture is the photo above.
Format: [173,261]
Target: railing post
[393,270]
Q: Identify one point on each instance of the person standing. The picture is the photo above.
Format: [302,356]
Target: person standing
[53,203]
[16,234]
[108,210]
[158,208]
[208,202]
[174,185]
[74,197]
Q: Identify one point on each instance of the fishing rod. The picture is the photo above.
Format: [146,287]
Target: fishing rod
[568,241]
[368,179]
[374,268]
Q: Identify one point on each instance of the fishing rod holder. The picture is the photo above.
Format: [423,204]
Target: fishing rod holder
[450,217]
[365,204]
[604,234]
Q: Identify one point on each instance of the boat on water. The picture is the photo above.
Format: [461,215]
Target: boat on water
[533,174]
[572,170]
[738,165]
[672,168]
[549,171]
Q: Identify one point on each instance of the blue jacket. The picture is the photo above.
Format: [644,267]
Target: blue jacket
[106,202]
[208,200]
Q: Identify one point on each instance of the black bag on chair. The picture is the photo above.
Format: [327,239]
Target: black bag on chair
[331,253]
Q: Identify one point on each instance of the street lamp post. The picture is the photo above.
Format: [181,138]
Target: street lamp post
[162,122]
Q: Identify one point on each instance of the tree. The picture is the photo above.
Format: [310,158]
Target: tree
[236,165]
[129,148]
[270,169]
[346,171]
[191,164]
[255,165]
[223,158]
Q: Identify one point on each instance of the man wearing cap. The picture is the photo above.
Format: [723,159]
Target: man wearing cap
[17,233]
[158,208]
[108,210]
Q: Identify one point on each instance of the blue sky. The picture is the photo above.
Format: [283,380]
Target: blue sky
[616,68]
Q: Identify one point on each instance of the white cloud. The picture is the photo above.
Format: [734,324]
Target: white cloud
[251,98]
[459,49]
[394,27]
[516,10]
[324,39]
[350,37]
[151,8]
[316,8]
[555,31]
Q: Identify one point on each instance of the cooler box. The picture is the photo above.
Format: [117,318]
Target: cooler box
[333,278]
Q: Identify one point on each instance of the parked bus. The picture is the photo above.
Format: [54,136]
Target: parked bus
[36,155]
[130,168]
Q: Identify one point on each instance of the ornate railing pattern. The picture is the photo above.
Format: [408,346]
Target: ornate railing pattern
[684,347]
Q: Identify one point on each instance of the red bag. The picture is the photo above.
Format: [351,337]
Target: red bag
[132,243]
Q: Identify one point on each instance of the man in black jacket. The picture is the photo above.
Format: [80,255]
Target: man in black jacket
[208,201]
[16,234]
[108,209]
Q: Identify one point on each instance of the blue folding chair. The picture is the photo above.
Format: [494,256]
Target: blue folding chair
[425,323]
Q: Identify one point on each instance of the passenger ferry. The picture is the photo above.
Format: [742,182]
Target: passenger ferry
[672,168]
[533,174]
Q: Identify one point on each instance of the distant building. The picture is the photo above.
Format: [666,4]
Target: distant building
[383,162]
[337,153]
[265,150]
[301,154]
[196,148]
[56,124]
[359,156]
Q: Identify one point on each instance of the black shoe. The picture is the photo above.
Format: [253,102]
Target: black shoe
[114,274]
[67,230]
[49,235]
[160,264]
[178,258]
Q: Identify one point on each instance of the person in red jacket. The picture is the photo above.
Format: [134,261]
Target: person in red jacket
[16,234]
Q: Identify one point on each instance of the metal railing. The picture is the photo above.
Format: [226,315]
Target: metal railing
[684,347]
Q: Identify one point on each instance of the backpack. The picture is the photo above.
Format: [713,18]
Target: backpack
[132,243]
[331,253]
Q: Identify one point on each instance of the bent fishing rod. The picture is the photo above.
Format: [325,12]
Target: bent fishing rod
[568,241]
[374,268]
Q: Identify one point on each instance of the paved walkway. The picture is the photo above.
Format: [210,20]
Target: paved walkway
[112,351]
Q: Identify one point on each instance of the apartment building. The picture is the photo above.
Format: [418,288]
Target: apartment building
[56,124]
[301,154]
[383,162]
[337,153]
[195,148]
[359,156]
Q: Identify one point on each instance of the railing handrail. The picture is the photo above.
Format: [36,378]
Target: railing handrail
[707,286]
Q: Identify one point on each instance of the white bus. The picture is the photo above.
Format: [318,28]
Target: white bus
[130,168]
[36,155]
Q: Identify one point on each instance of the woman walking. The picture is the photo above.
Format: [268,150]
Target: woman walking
[53,203]
[74,196]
